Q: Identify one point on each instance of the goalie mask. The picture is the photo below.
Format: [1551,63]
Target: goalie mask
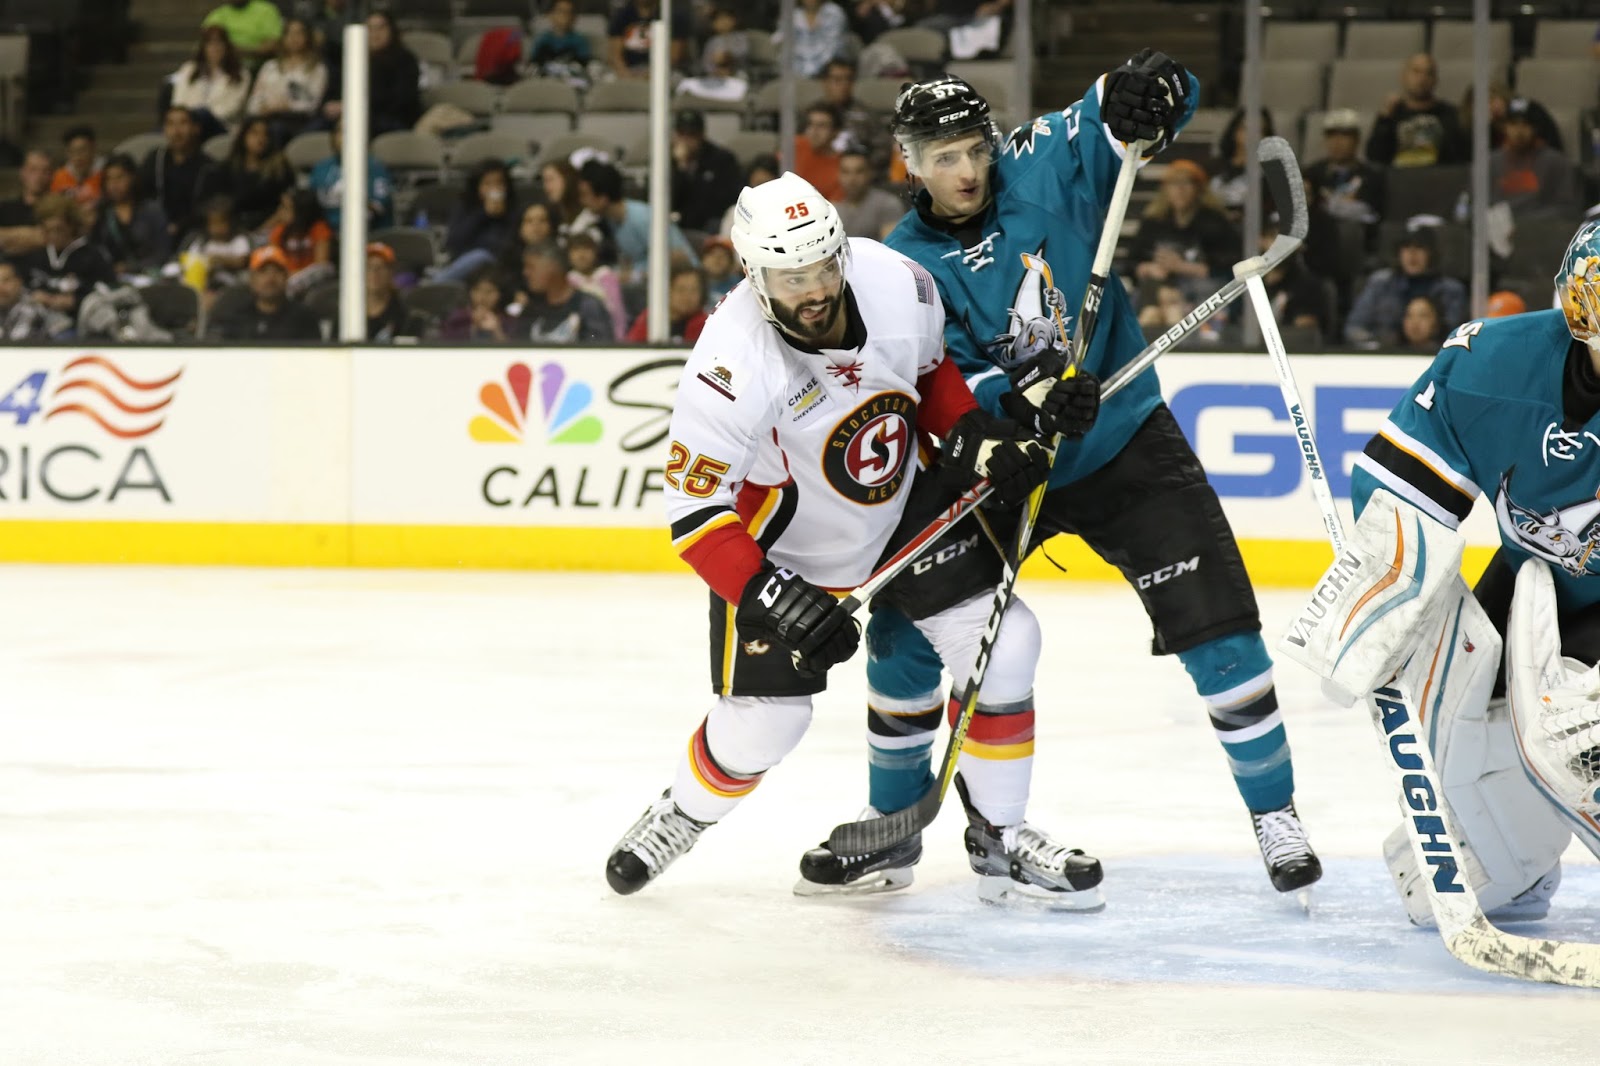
[791,243]
[1578,285]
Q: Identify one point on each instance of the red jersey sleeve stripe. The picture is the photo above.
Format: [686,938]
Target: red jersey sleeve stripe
[945,398]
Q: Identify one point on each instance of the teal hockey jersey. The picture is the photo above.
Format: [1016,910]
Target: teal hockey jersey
[1051,184]
[1488,416]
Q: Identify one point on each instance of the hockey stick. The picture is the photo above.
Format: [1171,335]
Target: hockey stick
[859,838]
[1467,933]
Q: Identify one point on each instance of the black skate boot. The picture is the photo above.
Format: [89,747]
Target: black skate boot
[822,873]
[1021,863]
[660,835]
[1291,863]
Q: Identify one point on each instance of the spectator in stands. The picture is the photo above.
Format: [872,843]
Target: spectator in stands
[559,181]
[857,125]
[19,229]
[1378,316]
[1298,297]
[867,210]
[686,308]
[21,319]
[588,273]
[539,222]
[1529,176]
[720,267]
[178,173]
[727,50]
[290,85]
[870,19]
[1228,164]
[976,28]
[253,26]
[1503,303]
[1416,128]
[223,247]
[485,317]
[327,181]
[600,191]
[68,267]
[1545,129]
[1342,185]
[129,227]
[388,316]
[484,225]
[628,37]
[393,73]
[819,29]
[254,176]
[80,176]
[212,85]
[706,178]
[555,312]
[560,51]
[814,156]
[299,231]
[1422,328]
[1184,237]
[326,19]
[761,170]
[270,315]
[722,78]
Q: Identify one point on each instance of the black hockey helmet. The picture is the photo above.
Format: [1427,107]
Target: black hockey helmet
[938,109]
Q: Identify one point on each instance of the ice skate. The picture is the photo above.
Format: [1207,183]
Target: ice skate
[822,873]
[660,835]
[1021,864]
[1291,864]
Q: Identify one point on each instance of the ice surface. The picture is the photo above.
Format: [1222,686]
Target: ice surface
[288,817]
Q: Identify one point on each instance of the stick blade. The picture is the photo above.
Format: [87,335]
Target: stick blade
[1484,947]
[864,838]
[1282,174]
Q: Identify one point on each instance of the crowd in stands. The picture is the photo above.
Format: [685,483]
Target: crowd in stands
[228,227]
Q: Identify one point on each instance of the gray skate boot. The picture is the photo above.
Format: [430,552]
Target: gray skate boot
[660,835]
[1020,863]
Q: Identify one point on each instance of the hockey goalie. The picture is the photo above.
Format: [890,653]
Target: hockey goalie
[1503,676]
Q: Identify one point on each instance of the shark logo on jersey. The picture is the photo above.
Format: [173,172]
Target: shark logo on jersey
[1020,142]
[1567,536]
[1037,319]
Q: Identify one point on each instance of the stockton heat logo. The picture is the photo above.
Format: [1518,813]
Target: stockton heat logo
[865,458]
[562,404]
[51,460]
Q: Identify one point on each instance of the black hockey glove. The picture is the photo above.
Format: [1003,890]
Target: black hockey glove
[1144,98]
[783,607]
[980,445]
[1042,402]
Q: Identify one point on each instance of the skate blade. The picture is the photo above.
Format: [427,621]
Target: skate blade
[1004,892]
[873,884]
[1303,897]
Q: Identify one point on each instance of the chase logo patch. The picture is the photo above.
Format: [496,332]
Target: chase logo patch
[867,452]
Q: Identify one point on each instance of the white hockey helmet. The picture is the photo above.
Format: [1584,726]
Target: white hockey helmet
[782,225]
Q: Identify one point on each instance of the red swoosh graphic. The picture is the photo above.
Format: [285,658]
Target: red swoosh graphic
[142,386]
[93,415]
[95,386]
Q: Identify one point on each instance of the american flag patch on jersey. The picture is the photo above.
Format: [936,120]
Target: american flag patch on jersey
[924,280]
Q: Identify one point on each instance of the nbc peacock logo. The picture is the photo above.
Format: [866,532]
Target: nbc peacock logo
[562,403]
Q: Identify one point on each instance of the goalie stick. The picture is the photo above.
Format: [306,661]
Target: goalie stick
[1467,933]
[860,838]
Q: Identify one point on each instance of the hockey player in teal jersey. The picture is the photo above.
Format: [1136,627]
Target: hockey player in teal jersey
[1509,409]
[1008,228]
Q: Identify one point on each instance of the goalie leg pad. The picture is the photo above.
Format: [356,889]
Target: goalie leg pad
[1555,706]
[1363,617]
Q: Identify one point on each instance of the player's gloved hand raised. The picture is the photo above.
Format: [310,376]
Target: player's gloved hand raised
[1144,98]
[781,606]
[980,445]
[1042,401]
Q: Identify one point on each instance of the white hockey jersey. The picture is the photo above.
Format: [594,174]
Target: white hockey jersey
[808,457]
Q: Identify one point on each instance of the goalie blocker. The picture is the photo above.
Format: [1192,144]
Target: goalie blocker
[1519,774]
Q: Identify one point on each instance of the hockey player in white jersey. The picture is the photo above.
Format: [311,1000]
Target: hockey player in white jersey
[793,469]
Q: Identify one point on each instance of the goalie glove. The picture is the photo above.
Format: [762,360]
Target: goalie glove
[784,608]
[1048,404]
[980,445]
[1365,616]
[1144,98]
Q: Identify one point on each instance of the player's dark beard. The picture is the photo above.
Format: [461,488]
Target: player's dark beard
[810,332]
